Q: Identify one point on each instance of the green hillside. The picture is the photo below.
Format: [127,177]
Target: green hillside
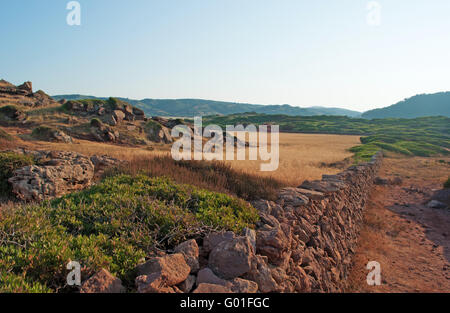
[424,136]
[437,104]
[199,107]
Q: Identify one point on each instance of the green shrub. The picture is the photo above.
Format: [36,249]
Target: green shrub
[95,122]
[112,225]
[12,283]
[9,162]
[43,133]
[447,183]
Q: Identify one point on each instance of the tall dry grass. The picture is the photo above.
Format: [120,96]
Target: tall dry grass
[215,176]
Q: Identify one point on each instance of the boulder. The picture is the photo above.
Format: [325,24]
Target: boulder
[188,284]
[103,282]
[172,268]
[231,259]
[273,243]
[153,283]
[261,274]
[64,172]
[212,240]
[190,251]
[118,115]
[206,276]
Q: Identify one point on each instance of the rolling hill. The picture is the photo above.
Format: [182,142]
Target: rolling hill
[417,106]
[193,107]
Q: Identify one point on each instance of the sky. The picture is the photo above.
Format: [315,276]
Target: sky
[302,53]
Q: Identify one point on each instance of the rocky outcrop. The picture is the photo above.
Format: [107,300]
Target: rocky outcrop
[56,174]
[23,95]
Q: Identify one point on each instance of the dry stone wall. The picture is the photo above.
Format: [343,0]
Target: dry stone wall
[310,234]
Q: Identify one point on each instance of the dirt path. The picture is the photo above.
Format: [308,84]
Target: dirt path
[409,240]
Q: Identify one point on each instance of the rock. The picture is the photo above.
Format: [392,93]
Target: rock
[251,235]
[212,240]
[434,204]
[302,281]
[153,283]
[396,181]
[26,86]
[381,181]
[60,136]
[324,186]
[231,259]
[119,116]
[67,172]
[173,268]
[290,196]
[206,276]
[311,194]
[188,284]
[138,114]
[261,274]
[103,282]
[239,285]
[273,243]
[209,288]
[111,120]
[190,251]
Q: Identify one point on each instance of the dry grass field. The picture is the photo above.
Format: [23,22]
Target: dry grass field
[305,156]
[302,156]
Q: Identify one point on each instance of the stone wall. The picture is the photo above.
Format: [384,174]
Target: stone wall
[310,234]
[303,243]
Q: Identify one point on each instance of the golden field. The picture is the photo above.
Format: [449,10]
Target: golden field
[302,156]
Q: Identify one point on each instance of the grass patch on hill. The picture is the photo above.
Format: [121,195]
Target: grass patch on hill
[112,225]
[425,136]
[216,176]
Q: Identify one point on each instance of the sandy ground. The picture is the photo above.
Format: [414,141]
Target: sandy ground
[408,239]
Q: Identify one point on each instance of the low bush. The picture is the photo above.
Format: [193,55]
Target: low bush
[112,225]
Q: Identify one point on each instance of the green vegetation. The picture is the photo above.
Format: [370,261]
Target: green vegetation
[43,133]
[417,106]
[112,225]
[9,162]
[447,183]
[424,136]
[197,107]
[95,122]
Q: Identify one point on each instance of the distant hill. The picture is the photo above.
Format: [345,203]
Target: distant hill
[417,106]
[193,107]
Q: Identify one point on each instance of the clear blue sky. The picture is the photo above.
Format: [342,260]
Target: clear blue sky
[303,53]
